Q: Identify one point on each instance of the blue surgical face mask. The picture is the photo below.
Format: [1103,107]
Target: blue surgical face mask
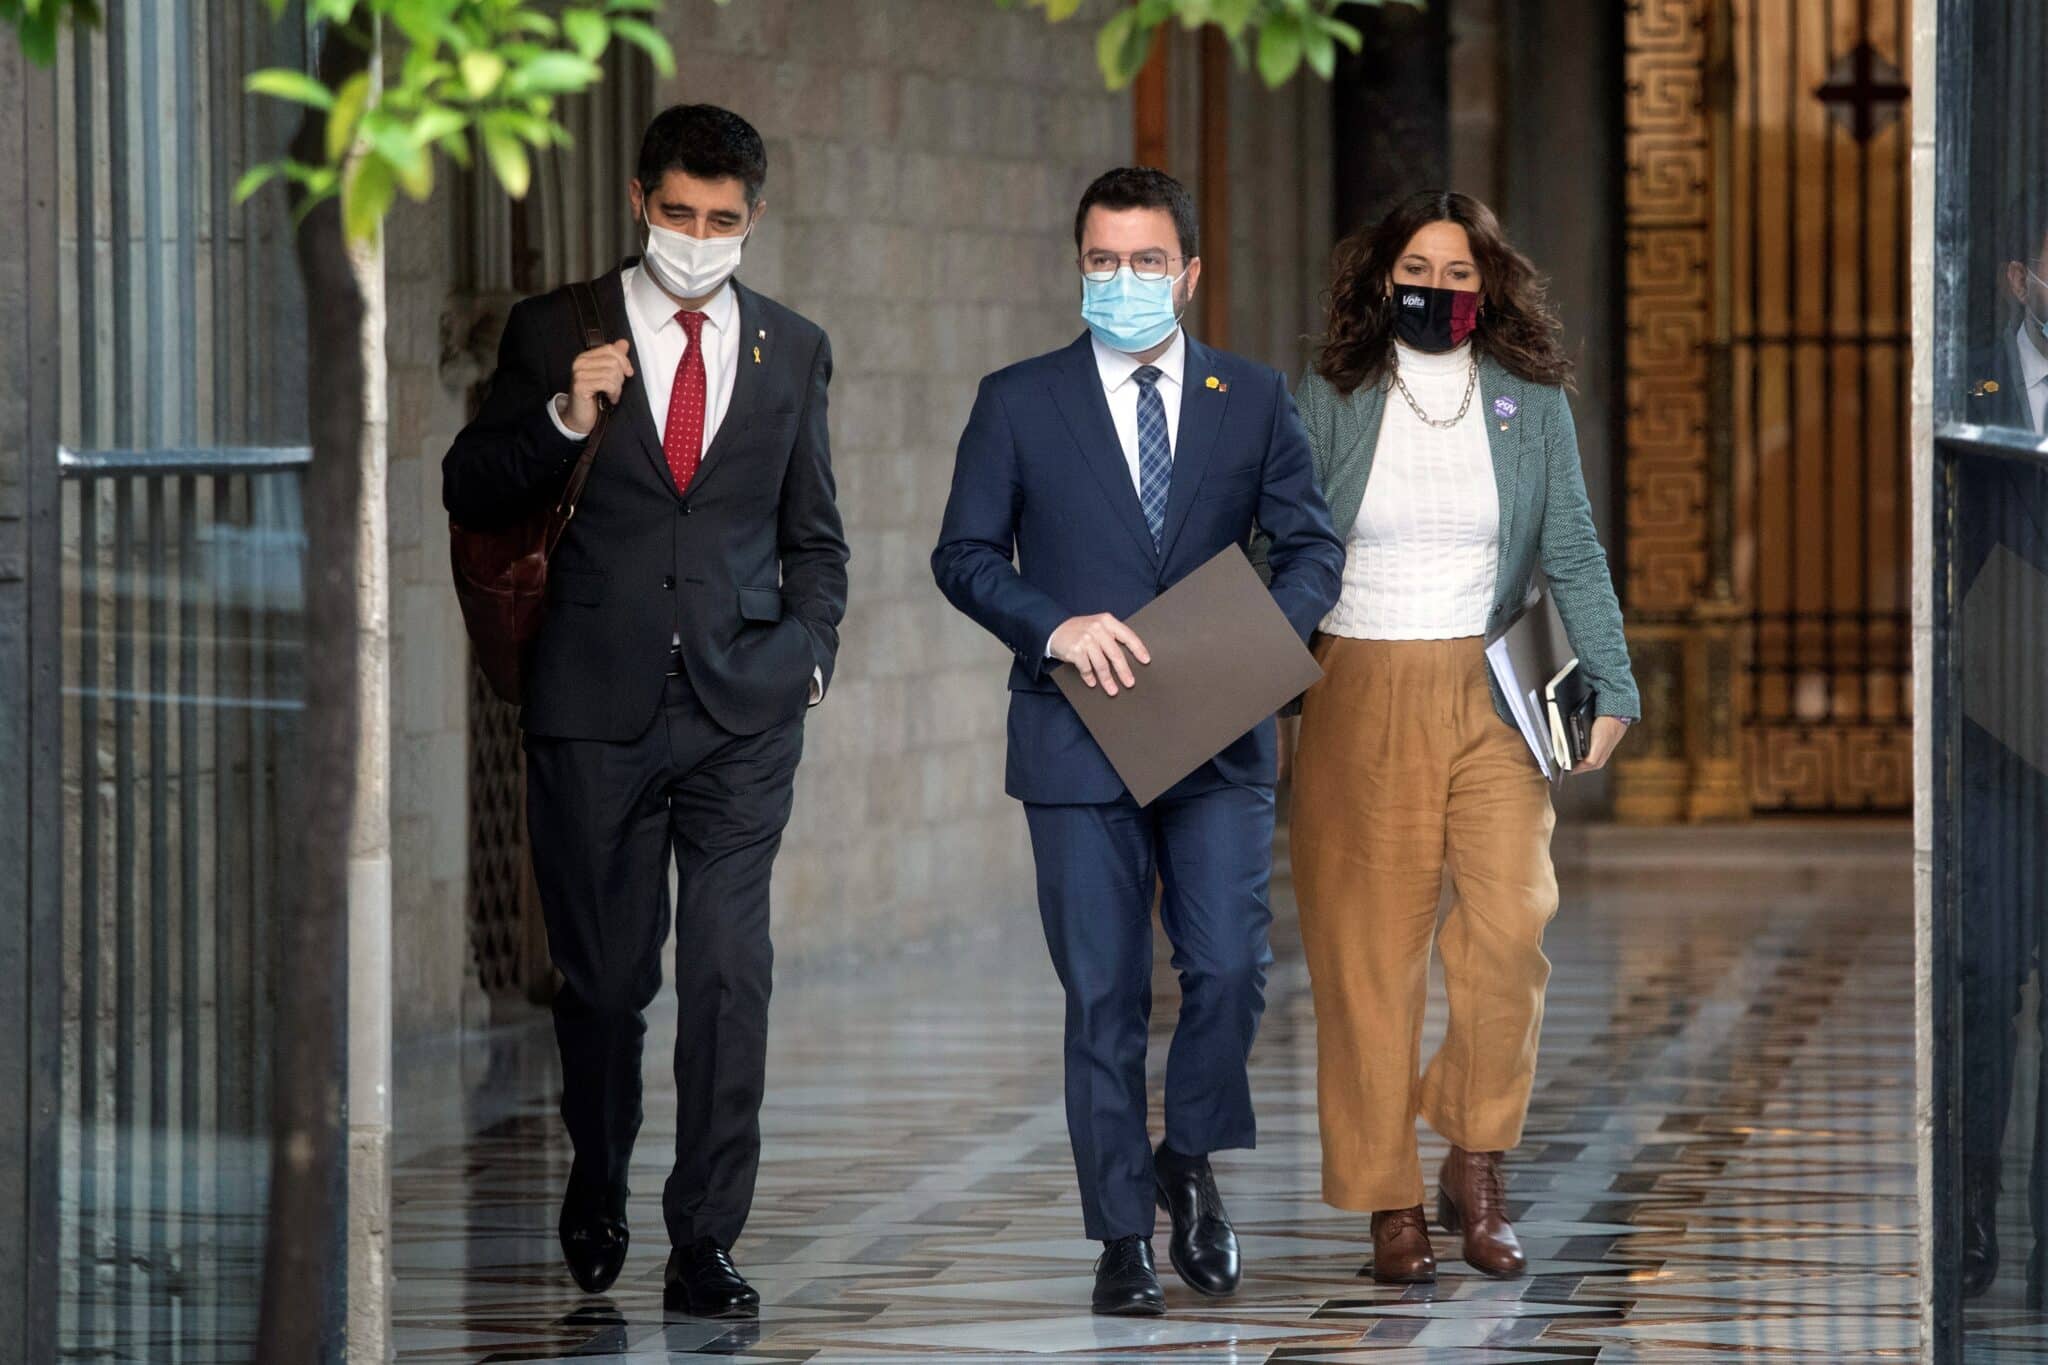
[1129,314]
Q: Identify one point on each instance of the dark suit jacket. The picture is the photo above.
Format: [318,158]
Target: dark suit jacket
[1992,379]
[749,568]
[1043,524]
[1997,503]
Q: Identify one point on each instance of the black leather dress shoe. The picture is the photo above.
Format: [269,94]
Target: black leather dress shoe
[1126,1283]
[594,1242]
[1204,1247]
[704,1283]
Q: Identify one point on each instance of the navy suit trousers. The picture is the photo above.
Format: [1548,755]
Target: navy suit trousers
[1097,869]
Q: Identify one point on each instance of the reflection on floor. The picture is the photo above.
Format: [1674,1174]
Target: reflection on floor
[1719,1158]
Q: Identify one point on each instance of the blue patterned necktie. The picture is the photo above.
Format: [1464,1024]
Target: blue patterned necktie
[1155,455]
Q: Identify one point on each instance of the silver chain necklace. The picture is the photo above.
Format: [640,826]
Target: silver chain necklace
[1471,387]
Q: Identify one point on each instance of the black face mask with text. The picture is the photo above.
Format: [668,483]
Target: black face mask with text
[1434,320]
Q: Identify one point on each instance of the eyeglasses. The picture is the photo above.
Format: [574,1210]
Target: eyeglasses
[1100,267]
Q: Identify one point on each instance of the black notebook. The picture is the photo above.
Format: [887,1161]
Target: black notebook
[1547,692]
[1568,705]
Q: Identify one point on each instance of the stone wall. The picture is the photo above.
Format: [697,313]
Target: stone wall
[433,985]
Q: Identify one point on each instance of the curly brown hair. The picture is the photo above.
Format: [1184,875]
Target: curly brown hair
[1517,326]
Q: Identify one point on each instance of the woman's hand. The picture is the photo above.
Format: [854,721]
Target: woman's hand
[1607,733]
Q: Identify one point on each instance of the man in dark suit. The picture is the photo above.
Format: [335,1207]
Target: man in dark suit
[2001,508]
[692,614]
[1088,482]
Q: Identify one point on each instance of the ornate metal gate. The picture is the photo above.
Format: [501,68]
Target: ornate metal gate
[1768,354]
[1822,356]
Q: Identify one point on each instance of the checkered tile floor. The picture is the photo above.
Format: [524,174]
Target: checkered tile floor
[1719,1158]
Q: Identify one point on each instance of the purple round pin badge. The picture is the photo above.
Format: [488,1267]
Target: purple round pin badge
[1505,407]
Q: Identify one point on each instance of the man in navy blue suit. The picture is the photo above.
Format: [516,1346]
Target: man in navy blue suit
[1089,481]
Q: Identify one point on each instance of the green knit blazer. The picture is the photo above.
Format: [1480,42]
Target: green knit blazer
[1545,519]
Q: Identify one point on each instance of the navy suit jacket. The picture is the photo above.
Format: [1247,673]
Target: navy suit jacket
[1043,523]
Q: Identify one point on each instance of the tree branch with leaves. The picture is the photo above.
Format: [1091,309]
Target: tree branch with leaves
[1275,36]
[37,23]
[461,74]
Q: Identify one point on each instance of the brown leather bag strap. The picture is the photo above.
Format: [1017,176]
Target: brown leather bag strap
[587,317]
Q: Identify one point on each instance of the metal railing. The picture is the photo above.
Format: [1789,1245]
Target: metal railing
[182,686]
[179,329]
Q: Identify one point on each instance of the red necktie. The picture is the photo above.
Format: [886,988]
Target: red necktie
[682,441]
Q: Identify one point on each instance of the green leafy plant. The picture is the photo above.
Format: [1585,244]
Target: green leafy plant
[36,23]
[1276,36]
[461,76]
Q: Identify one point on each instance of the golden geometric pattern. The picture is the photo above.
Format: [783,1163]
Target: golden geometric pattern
[1668,273]
[1839,768]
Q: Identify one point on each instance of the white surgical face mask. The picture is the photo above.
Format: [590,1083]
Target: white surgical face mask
[691,267]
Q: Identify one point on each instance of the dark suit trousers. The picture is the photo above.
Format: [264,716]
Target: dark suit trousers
[1097,866]
[2004,890]
[603,820]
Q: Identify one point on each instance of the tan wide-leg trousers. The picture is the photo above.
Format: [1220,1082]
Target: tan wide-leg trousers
[1404,770]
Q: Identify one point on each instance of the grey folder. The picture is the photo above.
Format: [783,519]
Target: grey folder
[1224,657]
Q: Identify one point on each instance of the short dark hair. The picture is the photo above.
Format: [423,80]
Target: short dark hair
[1141,187]
[705,141]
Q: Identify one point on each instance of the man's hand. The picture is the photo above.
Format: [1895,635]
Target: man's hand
[1096,645]
[600,370]
[1607,733]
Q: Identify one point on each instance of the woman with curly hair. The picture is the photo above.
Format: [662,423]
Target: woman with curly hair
[1445,448]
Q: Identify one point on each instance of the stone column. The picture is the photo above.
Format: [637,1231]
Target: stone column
[1924,662]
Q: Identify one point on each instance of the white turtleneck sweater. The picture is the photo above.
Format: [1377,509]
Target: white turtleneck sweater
[1424,554]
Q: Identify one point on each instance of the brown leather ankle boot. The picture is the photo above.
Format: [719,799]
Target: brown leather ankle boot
[1472,1198]
[1401,1253]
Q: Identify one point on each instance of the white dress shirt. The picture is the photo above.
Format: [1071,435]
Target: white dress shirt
[659,343]
[2033,375]
[1120,387]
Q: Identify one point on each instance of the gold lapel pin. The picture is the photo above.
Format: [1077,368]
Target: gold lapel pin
[1986,386]
[757,355]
